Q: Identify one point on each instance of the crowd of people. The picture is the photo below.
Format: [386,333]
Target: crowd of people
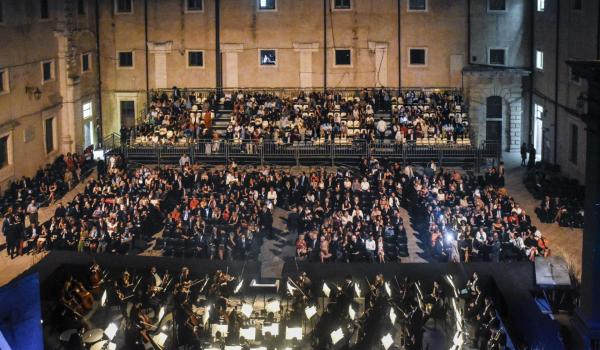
[308,117]
[468,218]
[23,198]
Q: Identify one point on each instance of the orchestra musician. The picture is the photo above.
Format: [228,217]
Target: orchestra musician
[140,326]
[375,291]
[156,286]
[69,298]
[96,278]
[123,290]
[219,290]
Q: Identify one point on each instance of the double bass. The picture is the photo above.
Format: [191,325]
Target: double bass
[85,297]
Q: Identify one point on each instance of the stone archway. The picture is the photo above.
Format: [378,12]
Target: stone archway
[482,83]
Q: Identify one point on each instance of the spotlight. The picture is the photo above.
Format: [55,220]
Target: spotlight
[293,333]
[111,331]
[387,341]
[310,311]
[351,312]
[326,290]
[239,286]
[393,315]
[337,335]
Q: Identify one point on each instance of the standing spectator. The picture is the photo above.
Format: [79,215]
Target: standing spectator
[7,228]
[523,154]
[266,222]
[32,212]
[532,152]
[293,221]
[184,160]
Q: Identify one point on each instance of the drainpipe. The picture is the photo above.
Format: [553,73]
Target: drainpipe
[99,135]
[219,64]
[532,79]
[557,62]
[399,47]
[325,45]
[146,52]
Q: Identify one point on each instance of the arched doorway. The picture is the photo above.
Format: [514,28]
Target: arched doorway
[493,123]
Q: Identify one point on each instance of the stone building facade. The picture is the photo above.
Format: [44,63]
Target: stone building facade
[44,86]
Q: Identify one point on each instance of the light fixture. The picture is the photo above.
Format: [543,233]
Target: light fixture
[160,339]
[273,305]
[111,331]
[326,290]
[293,333]
[310,311]
[247,310]
[337,335]
[387,341]
[248,333]
[33,91]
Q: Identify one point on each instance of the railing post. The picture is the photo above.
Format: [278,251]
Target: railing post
[441,156]
[333,153]
[297,155]
[157,152]
[261,151]
[226,145]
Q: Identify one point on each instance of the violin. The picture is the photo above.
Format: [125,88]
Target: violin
[95,276]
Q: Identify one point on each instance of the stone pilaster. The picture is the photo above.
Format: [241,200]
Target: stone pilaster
[160,50]
[231,72]
[381,62]
[306,51]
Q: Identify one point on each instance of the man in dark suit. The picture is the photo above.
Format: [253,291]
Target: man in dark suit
[293,221]
[266,222]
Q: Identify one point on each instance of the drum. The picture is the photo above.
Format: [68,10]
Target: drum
[93,335]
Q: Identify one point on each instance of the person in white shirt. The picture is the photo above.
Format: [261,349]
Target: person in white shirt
[272,196]
[185,159]
[370,247]
[381,128]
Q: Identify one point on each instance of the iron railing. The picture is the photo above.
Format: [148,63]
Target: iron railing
[308,153]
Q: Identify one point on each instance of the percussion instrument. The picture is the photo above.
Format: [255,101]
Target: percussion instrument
[93,335]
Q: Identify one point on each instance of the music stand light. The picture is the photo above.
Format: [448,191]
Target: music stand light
[387,341]
[293,333]
[239,286]
[273,305]
[248,333]
[273,328]
[247,310]
[160,339]
[393,315]
[351,312]
[337,335]
[388,290]
[161,313]
[111,331]
[206,315]
[357,290]
[310,311]
[326,290]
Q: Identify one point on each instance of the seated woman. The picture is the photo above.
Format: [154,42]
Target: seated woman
[301,248]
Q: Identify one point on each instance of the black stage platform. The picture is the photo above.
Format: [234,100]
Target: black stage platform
[510,284]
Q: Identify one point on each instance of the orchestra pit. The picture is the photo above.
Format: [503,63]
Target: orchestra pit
[309,174]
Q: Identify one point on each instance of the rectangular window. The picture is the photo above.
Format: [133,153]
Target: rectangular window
[87,110]
[49,134]
[497,57]
[417,57]
[268,57]
[267,5]
[81,7]
[417,5]
[47,71]
[126,59]
[123,6]
[44,10]
[576,5]
[574,141]
[127,113]
[539,59]
[195,59]
[85,62]
[343,57]
[194,5]
[4,83]
[497,5]
[541,5]
[4,157]
[342,4]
